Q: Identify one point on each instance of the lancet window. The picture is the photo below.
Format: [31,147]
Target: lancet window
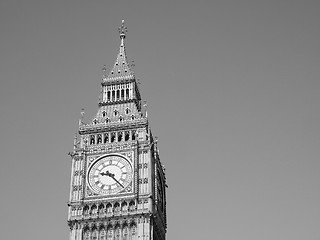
[102,234]
[133,229]
[117,233]
[94,234]
[125,232]
[109,208]
[92,139]
[122,94]
[133,135]
[118,94]
[86,234]
[126,135]
[116,207]
[99,139]
[113,95]
[119,136]
[106,138]
[101,208]
[109,233]
[86,210]
[113,137]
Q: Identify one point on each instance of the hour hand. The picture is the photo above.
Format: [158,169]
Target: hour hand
[105,174]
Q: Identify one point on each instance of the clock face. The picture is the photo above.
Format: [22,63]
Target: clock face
[110,175]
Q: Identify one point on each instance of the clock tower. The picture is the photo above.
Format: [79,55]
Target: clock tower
[118,184]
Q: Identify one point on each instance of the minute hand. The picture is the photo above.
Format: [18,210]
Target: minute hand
[112,176]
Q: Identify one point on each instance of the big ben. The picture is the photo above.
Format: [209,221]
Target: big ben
[118,184]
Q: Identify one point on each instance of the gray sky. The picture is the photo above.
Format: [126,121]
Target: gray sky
[233,94]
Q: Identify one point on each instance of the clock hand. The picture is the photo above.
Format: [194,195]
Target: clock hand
[109,174]
[116,180]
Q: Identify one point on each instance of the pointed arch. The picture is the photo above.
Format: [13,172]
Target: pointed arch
[127,94]
[109,208]
[106,138]
[94,209]
[116,207]
[132,206]
[126,135]
[117,231]
[113,96]
[86,210]
[119,136]
[125,231]
[86,233]
[92,139]
[99,139]
[94,233]
[122,94]
[102,232]
[133,229]
[124,206]
[101,208]
[109,232]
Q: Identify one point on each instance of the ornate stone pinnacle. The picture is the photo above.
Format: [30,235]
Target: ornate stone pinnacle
[123,30]
[104,72]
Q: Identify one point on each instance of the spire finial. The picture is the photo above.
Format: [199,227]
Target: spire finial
[104,72]
[122,30]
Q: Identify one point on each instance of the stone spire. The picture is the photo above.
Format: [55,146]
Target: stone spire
[121,69]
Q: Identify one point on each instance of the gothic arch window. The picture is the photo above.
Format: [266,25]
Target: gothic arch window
[95,121]
[119,136]
[125,232]
[106,138]
[86,234]
[133,135]
[113,137]
[126,136]
[109,208]
[124,206]
[109,96]
[122,94]
[110,233]
[101,208]
[102,234]
[127,110]
[117,232]
[120,118]
[117,207]
[92,139]
[133,229]
[131,206]
[115,112]
[94,209]
[94,234]
[113,95]
[118,94]
[99,138]
[107,120]
[127,93]
[104,113]
[132,117]
[86,210]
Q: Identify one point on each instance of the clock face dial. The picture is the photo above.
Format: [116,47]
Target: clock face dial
[110,175]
